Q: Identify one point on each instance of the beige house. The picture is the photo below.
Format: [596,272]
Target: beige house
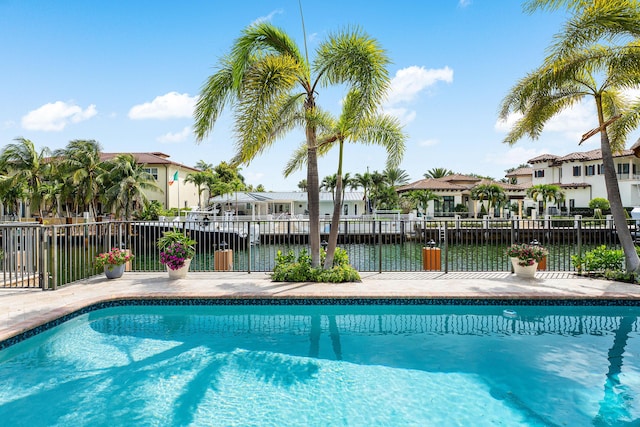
[175,193]
[455,190]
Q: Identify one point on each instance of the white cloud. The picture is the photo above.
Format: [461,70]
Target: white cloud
[169,106]
[175,137]
[268,17]
[409,82]
[56,116]
[428,143]
[464,3]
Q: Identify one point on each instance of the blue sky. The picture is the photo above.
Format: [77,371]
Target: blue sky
[127,74]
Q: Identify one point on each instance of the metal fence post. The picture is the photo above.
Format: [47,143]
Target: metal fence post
[249,229]
[579,237]
[379,245]
[446,249]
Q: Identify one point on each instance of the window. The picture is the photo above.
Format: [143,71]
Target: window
[590,170]
[600,169]
[153,172]
[623,168]
[572,204]
[447,204]
[576,171]
[539,173]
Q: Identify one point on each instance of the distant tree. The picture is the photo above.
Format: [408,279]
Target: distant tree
[546,193]
[599,203]
[396,176]
[26,169]
[302,185]
[493,193]
[204,166]
[421,199]
[126,183]
[200,180]
[438,173]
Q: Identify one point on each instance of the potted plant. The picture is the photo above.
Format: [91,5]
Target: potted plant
[525,258]
[113,262]
[176,252]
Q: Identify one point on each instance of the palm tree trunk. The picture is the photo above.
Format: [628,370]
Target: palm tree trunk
[335,219]
[313,196]
[632,261]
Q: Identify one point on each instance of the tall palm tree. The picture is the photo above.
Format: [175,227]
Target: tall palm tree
[580,67]
[126,182]
[353,126]
[272,88]
[26,168]
[302,185]
[438,173]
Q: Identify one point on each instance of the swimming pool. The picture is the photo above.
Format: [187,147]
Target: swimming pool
[328,365]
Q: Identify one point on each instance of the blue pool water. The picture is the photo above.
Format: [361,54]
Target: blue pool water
[328,366]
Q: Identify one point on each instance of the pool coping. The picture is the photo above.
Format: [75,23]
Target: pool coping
[26,312]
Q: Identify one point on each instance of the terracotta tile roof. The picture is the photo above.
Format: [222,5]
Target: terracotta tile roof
[543,158]
[520,172]
[580,156]
[431,184]
[156,158]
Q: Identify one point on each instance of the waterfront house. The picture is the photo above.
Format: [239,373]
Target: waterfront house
[580,176]
[454,192]
[284,204]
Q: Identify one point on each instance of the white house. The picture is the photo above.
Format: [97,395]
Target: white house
[282,204]
[580,176]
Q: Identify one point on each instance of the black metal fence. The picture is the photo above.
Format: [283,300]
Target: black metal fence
[48,256]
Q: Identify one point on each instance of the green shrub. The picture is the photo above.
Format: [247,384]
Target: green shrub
[599,203]
[600,259]
[290,268]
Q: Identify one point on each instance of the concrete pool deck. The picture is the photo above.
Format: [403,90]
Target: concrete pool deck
[24,309]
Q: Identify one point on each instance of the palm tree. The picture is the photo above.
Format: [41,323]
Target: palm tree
[438,173]
[273,87]
[27,169]
[366,182]
[80,162]
[200,180]
[354,127]
[204,166]
[493,193]
[329,184]
[580,67]
[396,176]
[421,199]
[125,182]
[547,193]
[302,185]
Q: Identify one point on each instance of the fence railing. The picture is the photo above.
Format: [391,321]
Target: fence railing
[48,256]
